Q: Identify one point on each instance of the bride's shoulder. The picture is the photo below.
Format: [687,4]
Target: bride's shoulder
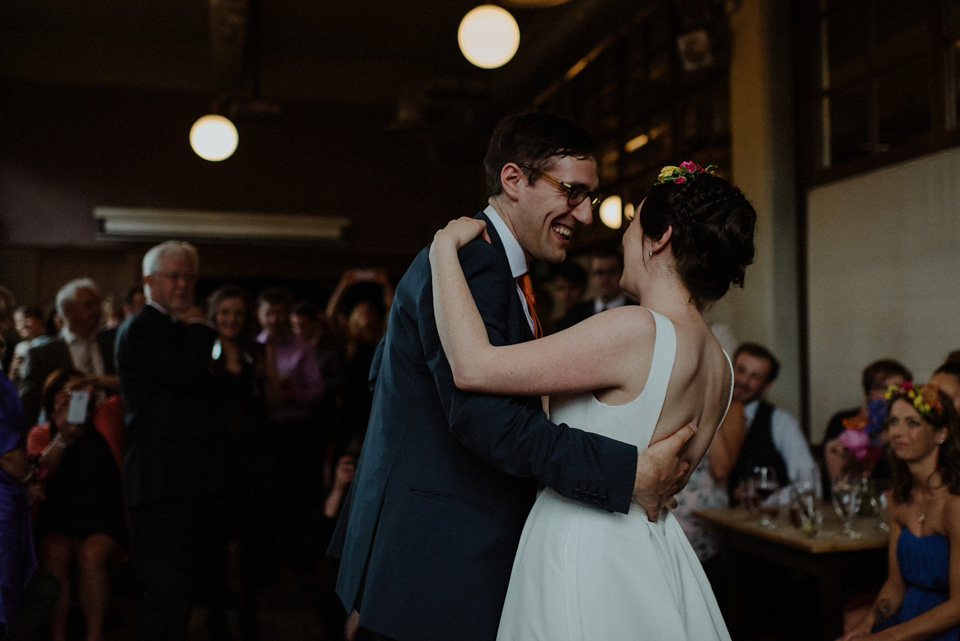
[633,319]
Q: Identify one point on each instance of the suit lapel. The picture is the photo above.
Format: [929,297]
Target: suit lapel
[516,308]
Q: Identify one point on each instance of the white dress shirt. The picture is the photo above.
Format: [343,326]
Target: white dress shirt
[515,256]
[792,446]
[85,353]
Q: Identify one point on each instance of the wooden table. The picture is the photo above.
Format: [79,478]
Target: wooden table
[831,557]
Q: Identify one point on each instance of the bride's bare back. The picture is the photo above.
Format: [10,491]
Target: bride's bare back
[699,389]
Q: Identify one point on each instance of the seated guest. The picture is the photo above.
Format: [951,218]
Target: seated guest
[920,599]
[707,489]
[80,345]
[876,378]
[80,523]
[946,378]
[773,435]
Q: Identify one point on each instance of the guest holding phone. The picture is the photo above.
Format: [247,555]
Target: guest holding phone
[80,524]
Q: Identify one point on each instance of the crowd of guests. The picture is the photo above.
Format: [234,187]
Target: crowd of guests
[225,423]
[158,450]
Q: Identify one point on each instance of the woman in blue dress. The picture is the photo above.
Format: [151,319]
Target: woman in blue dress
[921,596]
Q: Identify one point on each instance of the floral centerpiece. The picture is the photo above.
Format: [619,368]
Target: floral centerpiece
[861,438]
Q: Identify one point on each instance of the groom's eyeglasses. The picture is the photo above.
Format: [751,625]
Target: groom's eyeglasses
[576,194]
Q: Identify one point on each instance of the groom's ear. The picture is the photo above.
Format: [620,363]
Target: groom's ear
[512,179]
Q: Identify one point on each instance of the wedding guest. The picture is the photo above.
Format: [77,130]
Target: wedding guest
[773,436]
[946,378]
[707,489]
[171,479]
[920,598]
[295,431]
[606,268]
[245,384]
[81,345]
[29,325]
[133,301]
[310,325]
[80,525]
[8,334]
[877,377]
[569,284]
[17,557]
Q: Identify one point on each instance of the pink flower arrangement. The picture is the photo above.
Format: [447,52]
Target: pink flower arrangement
[865,452]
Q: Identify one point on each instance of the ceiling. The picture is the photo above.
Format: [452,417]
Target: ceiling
[262,53]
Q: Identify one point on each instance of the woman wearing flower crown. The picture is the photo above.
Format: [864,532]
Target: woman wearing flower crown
[921,596]
[633,373]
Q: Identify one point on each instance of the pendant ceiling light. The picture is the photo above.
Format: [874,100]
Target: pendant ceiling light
[611,212]
[213,138]
[488,36]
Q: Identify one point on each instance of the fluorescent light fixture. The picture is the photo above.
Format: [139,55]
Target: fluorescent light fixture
[141,223]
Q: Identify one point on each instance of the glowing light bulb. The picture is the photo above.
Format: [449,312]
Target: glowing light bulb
[611,212]
[488,36]
[213,138]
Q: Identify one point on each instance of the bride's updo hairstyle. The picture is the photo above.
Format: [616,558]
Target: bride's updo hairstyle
[712,223]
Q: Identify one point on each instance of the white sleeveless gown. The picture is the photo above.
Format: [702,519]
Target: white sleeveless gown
[584,574]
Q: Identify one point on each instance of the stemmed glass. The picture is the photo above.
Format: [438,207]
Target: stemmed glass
[765,486]
[846,502]
[879,502]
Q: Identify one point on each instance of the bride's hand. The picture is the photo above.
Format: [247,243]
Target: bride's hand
[461,231]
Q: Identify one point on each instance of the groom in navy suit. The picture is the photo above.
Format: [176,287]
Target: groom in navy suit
[446,478]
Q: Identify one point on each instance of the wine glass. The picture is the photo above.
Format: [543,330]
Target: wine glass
[846,502]
[879,502]
[765,486]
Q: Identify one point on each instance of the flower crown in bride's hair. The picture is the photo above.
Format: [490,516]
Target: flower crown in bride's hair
[686,171]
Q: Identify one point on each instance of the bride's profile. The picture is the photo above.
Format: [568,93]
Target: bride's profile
[633,373]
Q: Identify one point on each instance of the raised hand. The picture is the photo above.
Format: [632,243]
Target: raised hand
[661,472]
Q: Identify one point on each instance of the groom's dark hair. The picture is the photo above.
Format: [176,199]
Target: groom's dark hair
[530,138]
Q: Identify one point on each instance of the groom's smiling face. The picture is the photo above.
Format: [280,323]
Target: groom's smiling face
[545,224]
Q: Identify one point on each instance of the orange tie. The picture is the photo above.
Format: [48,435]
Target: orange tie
[526,285]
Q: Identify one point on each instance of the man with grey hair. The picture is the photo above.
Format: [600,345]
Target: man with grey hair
[81,345]
[170,467]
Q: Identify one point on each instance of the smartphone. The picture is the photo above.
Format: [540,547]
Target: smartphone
[77,410]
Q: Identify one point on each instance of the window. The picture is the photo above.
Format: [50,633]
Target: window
[882,81]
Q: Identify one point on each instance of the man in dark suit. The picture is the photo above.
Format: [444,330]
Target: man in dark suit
[446,478]
[81,345]
[606,268]
[170,464]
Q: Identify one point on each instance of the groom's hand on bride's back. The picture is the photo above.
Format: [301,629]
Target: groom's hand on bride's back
[661,473]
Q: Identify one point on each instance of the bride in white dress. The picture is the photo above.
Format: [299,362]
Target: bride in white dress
[634,373]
